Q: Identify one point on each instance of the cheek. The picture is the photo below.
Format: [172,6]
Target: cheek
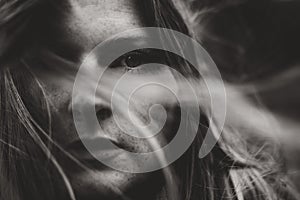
[63,129]
[60,99]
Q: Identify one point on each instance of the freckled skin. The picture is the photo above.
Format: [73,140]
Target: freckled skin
[89,23]
[93,22]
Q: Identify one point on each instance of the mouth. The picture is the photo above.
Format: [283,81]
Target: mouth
[94,150]
[94,183]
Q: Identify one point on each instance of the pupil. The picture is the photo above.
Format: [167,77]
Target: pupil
[133,61]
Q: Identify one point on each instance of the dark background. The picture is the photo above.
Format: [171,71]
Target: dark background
[258,42]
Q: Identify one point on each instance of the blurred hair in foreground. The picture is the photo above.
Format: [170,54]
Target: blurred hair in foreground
[244,165]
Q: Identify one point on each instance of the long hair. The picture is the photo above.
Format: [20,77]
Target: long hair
[238,167]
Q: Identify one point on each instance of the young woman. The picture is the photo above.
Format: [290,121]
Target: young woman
[41,156]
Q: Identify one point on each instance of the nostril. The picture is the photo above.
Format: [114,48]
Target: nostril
[103,113]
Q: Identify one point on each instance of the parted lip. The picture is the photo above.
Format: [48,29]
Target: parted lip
[94,148]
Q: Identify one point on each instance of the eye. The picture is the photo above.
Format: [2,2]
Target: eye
[134,60]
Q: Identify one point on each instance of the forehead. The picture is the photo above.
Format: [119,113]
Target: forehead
[92,21]
[104,3]
[106,8]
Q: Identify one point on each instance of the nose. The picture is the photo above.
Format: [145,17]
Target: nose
[103,112]
[88,115]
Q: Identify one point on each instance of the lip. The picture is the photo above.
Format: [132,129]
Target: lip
[91,149]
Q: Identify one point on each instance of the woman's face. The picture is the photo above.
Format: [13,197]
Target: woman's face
[87,24]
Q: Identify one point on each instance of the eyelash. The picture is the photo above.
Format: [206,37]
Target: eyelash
[141,56]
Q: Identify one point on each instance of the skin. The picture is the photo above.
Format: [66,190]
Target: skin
[87,24]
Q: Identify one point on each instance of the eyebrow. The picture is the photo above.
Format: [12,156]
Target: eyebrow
[115,44]
[130,37]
